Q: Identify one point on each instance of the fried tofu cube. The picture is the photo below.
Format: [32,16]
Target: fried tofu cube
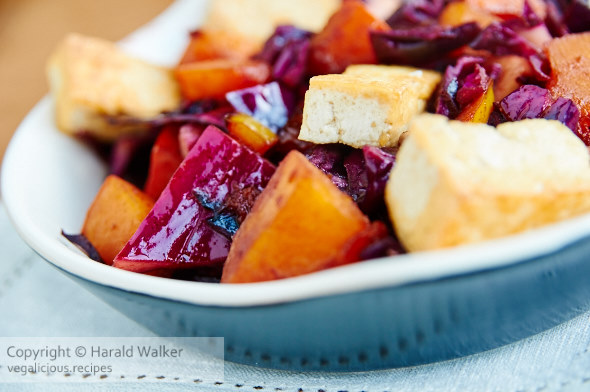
[366,105]
[256,20]
[92,79]
[456,183]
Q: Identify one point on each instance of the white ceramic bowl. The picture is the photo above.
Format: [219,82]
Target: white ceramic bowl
[49,180]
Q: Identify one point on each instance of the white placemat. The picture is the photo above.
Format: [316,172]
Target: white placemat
[38,300]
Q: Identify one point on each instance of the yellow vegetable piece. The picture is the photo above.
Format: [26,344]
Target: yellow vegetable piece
[479,110]
[246,130]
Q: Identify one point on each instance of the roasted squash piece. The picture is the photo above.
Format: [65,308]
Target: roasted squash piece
[207,45]
[113,217]
[570,63]
[215,78]
[345,40]
[301,223]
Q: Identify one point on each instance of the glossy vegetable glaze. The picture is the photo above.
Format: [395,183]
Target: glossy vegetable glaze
[176,233]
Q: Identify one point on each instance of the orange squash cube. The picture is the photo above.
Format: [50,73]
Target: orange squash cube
[251,133]
[300,223]
[215,78]
[206,45]
[114,216]
[345,40]
[570,66]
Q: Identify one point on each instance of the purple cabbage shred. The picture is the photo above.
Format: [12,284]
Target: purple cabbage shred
[329,158]
[199,107]
[528,101]
[361,173]
[287,51]
[501,40]
[123,152]
[84,245]
[496,116]
[357,179]
[462,83]
[270,103]
[417,12]
[130,156]
[577,17]
[532,101]
[474,85]
[377,166]
[565,111]
[387,246]
[215,117]
[554,20]
[205,112]
[421,45]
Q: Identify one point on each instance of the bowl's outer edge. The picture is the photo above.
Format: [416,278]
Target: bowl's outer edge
[397,326]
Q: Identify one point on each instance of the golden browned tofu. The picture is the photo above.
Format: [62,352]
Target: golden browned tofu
[366,105]
[92,78]
[456,183]
[256,20]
